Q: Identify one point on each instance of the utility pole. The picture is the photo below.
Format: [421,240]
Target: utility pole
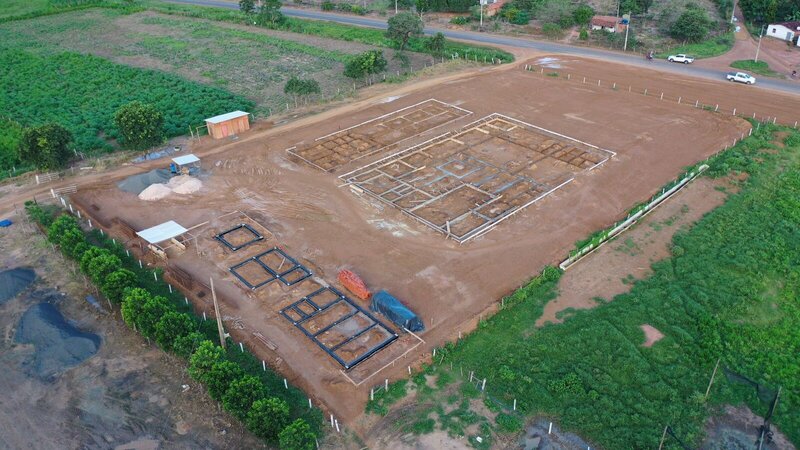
[758,49]
[627,27]
[733,12]
[395,7]
[219,317]
[711,381]
[482,2]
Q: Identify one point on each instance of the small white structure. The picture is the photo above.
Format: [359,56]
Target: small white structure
[228,124]
[166,231]
[785,31]
[185,164]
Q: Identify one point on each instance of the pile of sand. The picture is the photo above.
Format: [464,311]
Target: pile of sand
[182,184]
[155,192]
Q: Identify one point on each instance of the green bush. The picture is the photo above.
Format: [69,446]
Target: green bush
[297,436]
[552,30]
[140,125]
[116,283]
[508,423]
[460,20]
[220,376]
[328,5]
[45,146]
[203,359]
[171,326]
[267,418]
[241,394]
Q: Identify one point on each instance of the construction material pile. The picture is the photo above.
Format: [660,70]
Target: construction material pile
[182,184]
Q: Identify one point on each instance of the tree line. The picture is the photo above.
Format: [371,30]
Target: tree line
[155,317]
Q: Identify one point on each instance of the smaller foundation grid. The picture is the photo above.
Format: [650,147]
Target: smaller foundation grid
[266,267]
[330,152]
[239,237]
[344,330]
[462,184]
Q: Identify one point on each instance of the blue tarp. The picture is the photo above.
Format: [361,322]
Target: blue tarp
[394,310]
[5,223]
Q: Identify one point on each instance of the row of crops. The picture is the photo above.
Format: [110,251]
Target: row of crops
[82,92]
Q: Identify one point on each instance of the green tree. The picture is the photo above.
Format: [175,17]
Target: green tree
[300,88]
[422,6]
[297,436]
[583,14]
[152,312]
[171,326]
[89,255]
[101,266]
[220,377]
[247,6]
[693,25]
[186,345]
[270,13]
[59,227]
[114,285]
[132,303]
[241,394]
[267,418]
[45,146]
[365,64]
[74,244]
[203,359]
[403,27]
[141,125]
[436,44]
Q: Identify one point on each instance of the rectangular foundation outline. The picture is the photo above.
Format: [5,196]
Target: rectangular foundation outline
[274,273]
[293,150]
[350,177]
[318,309]
[221,237]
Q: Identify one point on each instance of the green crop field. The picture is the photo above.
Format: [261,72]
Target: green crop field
[82,92]
[730,290]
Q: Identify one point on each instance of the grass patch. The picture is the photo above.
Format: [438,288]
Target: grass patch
[758,67]
[385,398]
[715,46]
[729,291]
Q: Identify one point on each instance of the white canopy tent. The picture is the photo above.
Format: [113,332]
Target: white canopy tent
[185,159]
[162,232]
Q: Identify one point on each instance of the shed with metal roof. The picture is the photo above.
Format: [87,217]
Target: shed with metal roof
[228,124]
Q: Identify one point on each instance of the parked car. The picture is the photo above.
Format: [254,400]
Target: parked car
[741,77]
[681,58]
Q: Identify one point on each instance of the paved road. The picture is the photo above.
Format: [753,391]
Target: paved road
[543,46]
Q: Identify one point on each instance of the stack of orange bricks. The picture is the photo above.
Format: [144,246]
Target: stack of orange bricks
[354,284]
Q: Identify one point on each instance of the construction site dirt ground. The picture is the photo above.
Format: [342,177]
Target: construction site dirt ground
[327,227]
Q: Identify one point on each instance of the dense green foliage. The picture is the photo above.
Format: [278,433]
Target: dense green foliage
[140,125]
[757,67]
[297,436]
[706,49]
[583,14]
[269,13]
[247,6]
[235,377]
[730,290]
[770,11]
[82,92]
[693,25]
[10,135]
[403,27]
[365,64]
[45,146]
[301,88]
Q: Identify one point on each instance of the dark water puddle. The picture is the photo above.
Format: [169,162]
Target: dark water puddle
[14,281]
[58,344]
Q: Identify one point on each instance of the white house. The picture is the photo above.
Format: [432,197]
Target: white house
[785,31]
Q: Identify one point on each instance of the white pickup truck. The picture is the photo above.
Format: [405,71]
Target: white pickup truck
[681,58]
[741,77]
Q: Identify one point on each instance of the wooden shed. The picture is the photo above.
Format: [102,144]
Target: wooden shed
[228,124]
